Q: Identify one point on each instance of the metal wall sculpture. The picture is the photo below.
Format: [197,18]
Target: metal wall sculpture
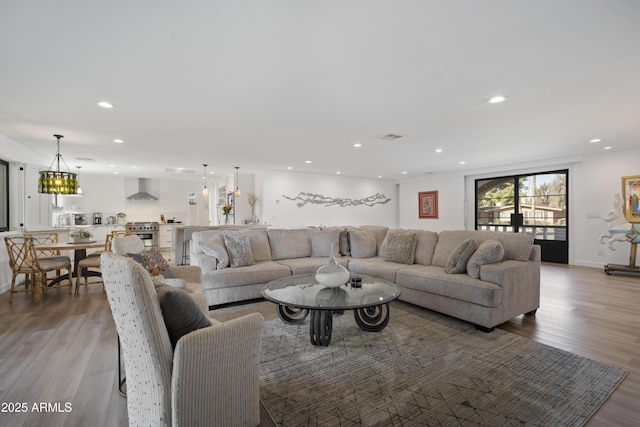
[318,199]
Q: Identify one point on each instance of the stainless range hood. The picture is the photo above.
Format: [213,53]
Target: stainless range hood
[142,191]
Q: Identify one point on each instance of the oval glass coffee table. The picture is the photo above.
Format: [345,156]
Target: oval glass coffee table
[297,296]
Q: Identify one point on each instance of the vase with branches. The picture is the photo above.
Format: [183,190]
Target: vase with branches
[253,200]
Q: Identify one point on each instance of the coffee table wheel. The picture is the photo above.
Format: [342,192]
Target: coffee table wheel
[372,319]
[292,315]
[320,327]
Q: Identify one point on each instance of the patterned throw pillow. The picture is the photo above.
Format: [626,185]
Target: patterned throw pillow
[457,261]
[488,252]
[239,250]
[343,239]
[401,248]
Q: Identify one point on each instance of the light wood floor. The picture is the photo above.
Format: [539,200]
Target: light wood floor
[64,349]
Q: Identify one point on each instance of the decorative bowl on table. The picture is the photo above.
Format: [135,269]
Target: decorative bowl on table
[332,274]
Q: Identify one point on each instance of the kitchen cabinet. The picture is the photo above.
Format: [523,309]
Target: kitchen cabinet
[164,237]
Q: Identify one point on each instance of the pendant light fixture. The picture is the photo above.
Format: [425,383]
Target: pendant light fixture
[237,192]
[79,191]
[205,190]
[57,181]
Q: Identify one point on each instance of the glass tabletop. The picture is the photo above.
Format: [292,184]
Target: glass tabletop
[304,291]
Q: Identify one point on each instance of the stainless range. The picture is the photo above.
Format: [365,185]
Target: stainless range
[147,231]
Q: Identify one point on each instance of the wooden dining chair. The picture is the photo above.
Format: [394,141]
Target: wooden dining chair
[46,238]
[92,261]
[23,259]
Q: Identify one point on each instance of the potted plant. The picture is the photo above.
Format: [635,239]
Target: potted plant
[80,236]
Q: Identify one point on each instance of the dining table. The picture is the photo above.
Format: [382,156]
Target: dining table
[79,252]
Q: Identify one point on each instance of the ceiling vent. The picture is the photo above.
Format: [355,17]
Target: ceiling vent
[142,191]
[390,136]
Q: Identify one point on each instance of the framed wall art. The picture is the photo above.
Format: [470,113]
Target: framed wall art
[428,204]
[631,195]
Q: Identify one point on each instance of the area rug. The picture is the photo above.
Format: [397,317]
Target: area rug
[425,369]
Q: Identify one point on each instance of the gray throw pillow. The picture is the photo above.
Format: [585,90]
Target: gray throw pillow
[343,242]
[488,252]
[215,247]
[239,249]
[457,261]
[180,312]
[321,242]
[362,244]
[401,248]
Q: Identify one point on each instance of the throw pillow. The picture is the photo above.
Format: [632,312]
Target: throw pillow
[150,259]
[488,252]
[180,312]
[401,248]
[343,243]
[323,241]
[239,249]
[457,261]
[362,244]
[215,247]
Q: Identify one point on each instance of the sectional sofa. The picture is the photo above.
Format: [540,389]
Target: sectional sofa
[482,277]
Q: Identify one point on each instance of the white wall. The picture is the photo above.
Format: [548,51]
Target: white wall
[281,212]
[593,180]
[451,203]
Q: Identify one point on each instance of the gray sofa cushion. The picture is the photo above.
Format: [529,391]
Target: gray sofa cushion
[323,241]
[239,249]
[290,243]
[516,245]
[362,244]
[376,266]
[378,231]
[457,286]
[401,248]
[457,261]
[489,252]
[258,273]
[309,265]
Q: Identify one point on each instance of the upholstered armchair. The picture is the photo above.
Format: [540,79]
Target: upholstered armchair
[211,378]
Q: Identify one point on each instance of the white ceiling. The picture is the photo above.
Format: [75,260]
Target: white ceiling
[271,84]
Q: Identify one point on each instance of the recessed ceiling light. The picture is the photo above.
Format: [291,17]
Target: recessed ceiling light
[118,141]
[116,172]
[307,161]
[379,176]
[595,140]
[607,147]
[497,99]
[357,145]
[438,150]
[463,162]
[111,166]
[338,172]
[404,172]
[289,167]
[105,104]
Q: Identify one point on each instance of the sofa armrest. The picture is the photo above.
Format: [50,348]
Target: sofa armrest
[205,262]
[215,377]
[520,282]
[188,273]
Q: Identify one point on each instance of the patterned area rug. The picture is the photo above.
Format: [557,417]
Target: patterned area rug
[426,369]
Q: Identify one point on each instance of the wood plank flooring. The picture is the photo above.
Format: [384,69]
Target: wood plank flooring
[63,351]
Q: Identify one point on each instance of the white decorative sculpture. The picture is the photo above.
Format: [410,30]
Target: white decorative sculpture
[620,230]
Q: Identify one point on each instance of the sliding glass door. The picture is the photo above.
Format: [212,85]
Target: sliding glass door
[535,204]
